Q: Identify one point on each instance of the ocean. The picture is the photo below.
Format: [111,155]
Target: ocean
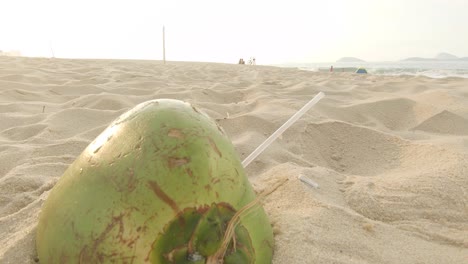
[433,69]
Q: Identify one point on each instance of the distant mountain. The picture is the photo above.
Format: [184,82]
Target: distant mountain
[350,59]
[417,59]
[445,56]
[440,57]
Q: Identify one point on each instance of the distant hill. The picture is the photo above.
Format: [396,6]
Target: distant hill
[350,59]
[440,57]
[464,59]
[417,59]
[445,56]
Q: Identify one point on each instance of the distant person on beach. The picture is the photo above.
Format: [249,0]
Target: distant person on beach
[253,61]
[331,68]
[241,61]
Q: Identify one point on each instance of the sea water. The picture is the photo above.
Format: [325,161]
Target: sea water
[433,69]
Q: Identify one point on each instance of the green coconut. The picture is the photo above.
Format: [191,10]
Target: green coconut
[162,184]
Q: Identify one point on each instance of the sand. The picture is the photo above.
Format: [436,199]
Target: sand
[389,153]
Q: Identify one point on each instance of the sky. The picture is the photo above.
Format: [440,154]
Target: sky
[274,31]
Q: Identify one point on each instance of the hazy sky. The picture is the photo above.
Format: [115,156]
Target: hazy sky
[224,31]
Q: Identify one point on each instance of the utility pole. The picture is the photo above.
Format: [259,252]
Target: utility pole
[164,47]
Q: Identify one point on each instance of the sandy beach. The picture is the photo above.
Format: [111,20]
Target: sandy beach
[389,153]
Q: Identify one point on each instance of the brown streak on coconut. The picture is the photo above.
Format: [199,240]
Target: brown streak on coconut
[215,147]
[175,133]
[189,172]
[177,162]
[163,196]
[86,254]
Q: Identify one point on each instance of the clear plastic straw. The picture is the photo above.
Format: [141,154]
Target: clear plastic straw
[280,130]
